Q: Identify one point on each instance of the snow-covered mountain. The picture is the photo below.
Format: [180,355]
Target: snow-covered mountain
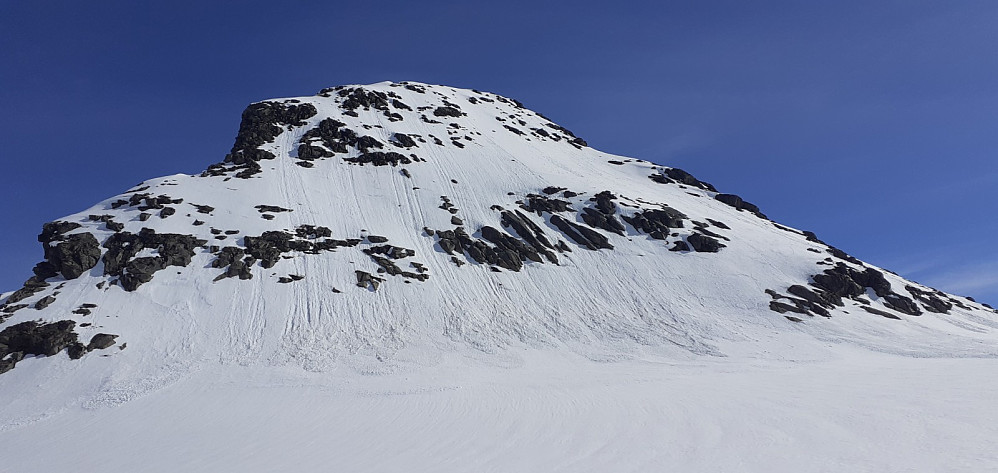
[394,228]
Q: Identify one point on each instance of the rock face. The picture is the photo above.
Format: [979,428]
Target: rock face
[261,123]
[78,253]
[590,239]
[45,339]
[843,281]
[119,260]
[738,203]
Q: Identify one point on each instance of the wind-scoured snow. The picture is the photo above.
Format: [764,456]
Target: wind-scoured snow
[635,358]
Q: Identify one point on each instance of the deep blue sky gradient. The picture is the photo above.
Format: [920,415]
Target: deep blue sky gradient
[874,124]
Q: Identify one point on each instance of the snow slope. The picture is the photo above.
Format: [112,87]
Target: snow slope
[630,356]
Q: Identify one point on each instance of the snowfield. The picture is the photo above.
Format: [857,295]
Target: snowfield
[380,341]
[851,411]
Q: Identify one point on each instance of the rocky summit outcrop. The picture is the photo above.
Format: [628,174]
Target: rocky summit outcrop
[364,220]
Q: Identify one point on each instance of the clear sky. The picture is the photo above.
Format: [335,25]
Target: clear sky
[874,124]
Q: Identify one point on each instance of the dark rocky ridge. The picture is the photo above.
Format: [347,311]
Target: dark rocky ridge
[829,289]
[119,260]
[45,339]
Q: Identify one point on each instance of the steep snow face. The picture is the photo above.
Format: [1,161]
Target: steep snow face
[379,227]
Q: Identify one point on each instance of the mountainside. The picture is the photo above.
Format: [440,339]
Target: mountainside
[389,227]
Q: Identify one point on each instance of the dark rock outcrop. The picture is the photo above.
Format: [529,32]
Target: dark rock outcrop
[403,140]
[656,222]
[34,338]
[703,244]
[672,175]
[740,204]
[842,281]
[584,236]
[379,158]
[447,112]
[119,260]
[101,341]
[932,302]
[540,204]
[261,123]
[75,255]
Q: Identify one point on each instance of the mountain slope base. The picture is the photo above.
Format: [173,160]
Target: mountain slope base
[855,410]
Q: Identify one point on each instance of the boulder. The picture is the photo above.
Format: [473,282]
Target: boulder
[75,255]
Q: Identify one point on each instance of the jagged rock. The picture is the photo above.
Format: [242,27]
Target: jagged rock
[271,208]
[703,243]
[540,204]
[53,231]
[379,158]
[880,312]
[932,302]
[75,255]
[447,112]
[456,221]
[227,256]
[268,247]
[313,231]
[140,271]
[824,299]
[586,237]
[44,270]
[365,279]
[204,209]
[261,123]
[604,202]
[597,219]
[902,304]
[358,97]
[34,338]
[703,230]
[552,190]
[737,202]
[782,308]
[718,224]
[101,341]
[686,178]
[403,140]
[365,143]
[531,233]
[31,287]
[174,250]
[656,222]
[393,252]
[44,302]
[376,239]
[680,246]
[842,255]
[838,281]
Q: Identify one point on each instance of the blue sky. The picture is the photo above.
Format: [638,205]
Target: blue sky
[874,124]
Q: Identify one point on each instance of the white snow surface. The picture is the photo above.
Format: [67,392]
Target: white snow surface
[630,359]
